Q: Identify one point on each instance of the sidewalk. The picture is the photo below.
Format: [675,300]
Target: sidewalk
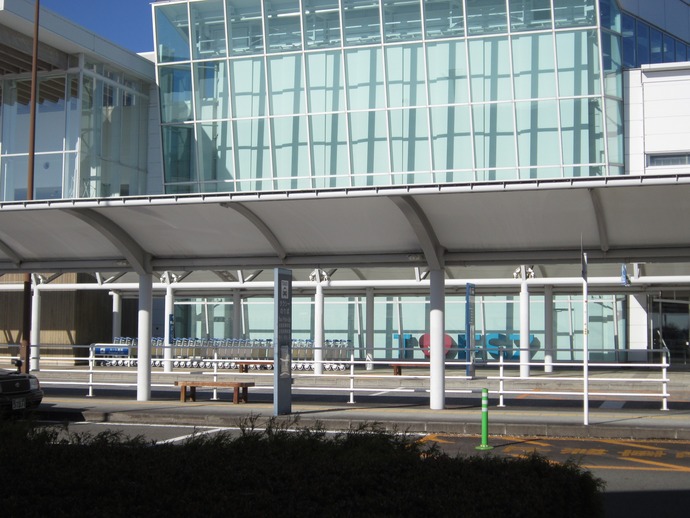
[531,414]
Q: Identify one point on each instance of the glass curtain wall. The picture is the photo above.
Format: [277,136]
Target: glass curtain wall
[497,318]
[310,94]
[91,135]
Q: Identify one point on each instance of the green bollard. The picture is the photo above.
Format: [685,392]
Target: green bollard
[484,446]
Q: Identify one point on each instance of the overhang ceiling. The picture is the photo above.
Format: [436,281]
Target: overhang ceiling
[470,230]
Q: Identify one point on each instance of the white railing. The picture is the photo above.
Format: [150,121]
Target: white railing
[91,367]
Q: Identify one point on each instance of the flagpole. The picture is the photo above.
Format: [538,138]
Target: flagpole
[25,347]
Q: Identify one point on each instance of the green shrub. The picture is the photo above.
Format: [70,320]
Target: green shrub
[303,472]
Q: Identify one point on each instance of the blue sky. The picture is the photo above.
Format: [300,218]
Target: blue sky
[125,22]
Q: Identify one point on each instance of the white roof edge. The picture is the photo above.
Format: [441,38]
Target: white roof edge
[355,192]
[71,38]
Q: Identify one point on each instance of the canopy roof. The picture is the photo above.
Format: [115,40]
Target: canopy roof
[471,230]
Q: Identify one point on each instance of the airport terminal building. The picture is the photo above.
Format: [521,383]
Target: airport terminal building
[388,152]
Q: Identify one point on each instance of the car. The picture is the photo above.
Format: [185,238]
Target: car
[18,392]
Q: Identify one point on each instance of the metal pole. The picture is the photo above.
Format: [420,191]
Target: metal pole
[548,329]
[437,353]
[369,325]
[144,340]
[318,327]
[25,344]
[585,341]
[169,337]
[524,328]
[485,422]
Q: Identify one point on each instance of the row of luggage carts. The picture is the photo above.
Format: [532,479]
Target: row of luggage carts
[222,353]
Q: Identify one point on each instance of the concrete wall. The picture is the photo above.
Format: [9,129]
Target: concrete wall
[657,116]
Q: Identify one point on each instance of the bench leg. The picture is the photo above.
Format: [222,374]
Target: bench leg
[183,394]
[238,397]
[397,370]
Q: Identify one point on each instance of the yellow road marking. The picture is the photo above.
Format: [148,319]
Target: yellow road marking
[668,467]
[632,445]
[434,437]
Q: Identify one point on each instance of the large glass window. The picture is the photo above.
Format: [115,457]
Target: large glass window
[246,27]
[494,139]
[452,142]
[208,29]
[329,150]
[644,55]
[369,148]
[614,124]
[283,25]
[486,16]
[537,128]
[326,85]
[572,13]
[362,22]
[322,24]
[253,155]
[669,49]
[365,88]
[629,42]
[447,72]
[215,153]
[528,15]
[402,20]
[656,46]
[172,33]
[533,66]
[291,153]
[178,154]
[578,63]
[490,69]
[444,18]
[248,78]
[175,83]
[582,133]
[286,85]
[405,68]
[211,90]
[15,117]
[410,142]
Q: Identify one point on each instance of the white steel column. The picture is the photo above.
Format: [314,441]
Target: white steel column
[369,325]
[35,356]
[524,328]
[117,314]
[548,329]
[318,327]
[437,382]
[144,337]
[237,314]
[169,316]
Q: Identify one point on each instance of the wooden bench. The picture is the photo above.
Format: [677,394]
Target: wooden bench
[397,367]
[240,389]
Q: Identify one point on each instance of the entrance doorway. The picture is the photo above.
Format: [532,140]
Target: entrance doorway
[671,322]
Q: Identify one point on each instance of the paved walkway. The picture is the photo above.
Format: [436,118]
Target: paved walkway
[536,413]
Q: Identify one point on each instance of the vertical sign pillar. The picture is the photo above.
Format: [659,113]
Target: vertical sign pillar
[282,350]
[437,381]
[469,330]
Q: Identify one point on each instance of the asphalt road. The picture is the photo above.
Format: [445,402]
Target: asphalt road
[643,478]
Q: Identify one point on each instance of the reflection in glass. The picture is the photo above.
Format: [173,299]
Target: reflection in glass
[362,22]
[172,33]
[208,29]
[447,74]
[444,18]
[249,87]
[405,69]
